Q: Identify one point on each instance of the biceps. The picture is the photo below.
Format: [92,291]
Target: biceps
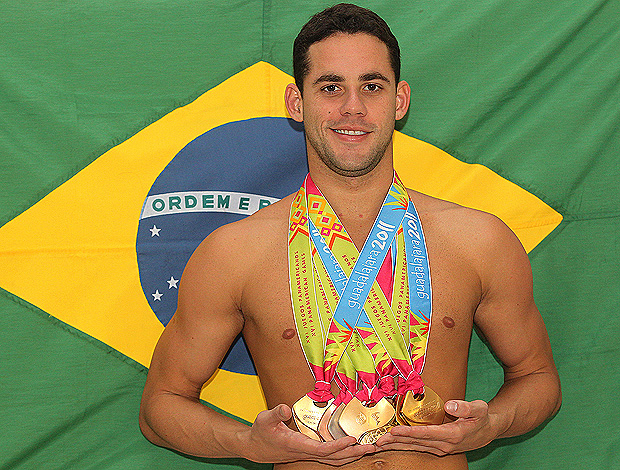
[517,336]
[205,324]
[190,350]
[507,315]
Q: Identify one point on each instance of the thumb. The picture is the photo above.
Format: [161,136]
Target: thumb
[277,414]
[466,409]
[273,417]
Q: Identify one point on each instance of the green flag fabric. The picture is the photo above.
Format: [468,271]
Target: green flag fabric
[530,90]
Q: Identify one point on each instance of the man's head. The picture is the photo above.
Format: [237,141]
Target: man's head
[341,18]
[352,96]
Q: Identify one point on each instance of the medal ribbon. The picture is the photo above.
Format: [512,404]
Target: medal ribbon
[420,296]
[381,364]
[312,292]
[347,370]
[354,285]
[382,324]
[307,315]
[352,278]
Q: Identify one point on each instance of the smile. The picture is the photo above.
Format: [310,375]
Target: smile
[347,132]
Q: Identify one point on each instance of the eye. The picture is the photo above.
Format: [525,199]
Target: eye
[372,87]
[331,88]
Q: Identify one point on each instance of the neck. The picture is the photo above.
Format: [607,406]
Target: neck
[356,200]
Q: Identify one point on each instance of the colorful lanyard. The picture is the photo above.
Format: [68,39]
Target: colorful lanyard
[323,258]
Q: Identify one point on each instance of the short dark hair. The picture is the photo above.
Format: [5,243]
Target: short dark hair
[342,18]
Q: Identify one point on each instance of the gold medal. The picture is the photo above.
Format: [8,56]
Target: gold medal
[401,420]
[357,419]
[420,409]
[305,430]
[309,413]
[333,426]
[372,436]
[324,421]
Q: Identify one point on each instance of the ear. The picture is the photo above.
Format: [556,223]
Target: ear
[403,95]
[294,102]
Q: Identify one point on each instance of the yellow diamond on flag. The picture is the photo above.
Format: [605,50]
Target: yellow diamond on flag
[73,254]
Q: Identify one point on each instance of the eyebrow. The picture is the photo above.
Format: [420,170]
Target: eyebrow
[370,76]
[329,77]
[365,77]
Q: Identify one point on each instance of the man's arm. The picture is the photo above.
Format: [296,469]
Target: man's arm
[514,329]
[189,351]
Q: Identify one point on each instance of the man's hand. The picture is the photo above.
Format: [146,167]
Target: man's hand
[474,428]
[270,440]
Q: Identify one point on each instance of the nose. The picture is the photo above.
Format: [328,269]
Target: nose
[353,104]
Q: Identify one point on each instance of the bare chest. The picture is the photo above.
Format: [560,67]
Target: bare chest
[271,335]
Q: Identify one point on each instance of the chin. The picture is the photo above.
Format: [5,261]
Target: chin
[353,171]
[348,164]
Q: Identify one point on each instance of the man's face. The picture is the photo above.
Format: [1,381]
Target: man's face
[350,103]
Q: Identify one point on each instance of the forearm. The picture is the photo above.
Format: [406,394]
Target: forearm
[188,426]
[523,403]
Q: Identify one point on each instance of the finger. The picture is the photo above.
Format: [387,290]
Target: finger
[297,446]
[432,449]
[466,409]
[434,443]
[344,447]
[348,454]
[284,412]
[415,438]
[323,449]
[436,432]
[274,416]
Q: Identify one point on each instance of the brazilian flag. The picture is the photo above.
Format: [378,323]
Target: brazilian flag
[129,130]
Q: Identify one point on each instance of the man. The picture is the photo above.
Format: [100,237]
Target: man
[348,94]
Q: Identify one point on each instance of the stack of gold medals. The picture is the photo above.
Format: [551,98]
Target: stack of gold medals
[363,318]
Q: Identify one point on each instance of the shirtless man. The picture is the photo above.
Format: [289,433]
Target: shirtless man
[348,95]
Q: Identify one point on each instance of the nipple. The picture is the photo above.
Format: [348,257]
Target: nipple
[288,333]
[448,322]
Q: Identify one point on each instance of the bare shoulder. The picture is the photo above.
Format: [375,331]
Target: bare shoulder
[235,249]
[262,227]
[469,228]
[482,241]
[491,250]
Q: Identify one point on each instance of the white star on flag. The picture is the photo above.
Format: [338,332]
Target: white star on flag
[154,231]
[157,295]
[172,283]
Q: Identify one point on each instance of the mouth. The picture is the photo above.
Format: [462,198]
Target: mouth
[350,132]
